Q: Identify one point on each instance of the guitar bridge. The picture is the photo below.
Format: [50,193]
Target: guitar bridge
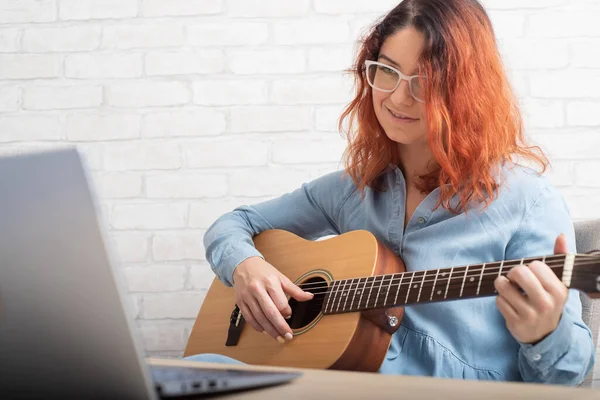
[236,324]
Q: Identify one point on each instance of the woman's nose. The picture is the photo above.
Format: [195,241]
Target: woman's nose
[402,95]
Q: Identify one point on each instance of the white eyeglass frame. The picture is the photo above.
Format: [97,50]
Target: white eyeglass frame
[403,77]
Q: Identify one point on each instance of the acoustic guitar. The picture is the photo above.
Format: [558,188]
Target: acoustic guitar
[360,287]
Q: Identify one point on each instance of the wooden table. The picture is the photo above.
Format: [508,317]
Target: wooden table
[320,384]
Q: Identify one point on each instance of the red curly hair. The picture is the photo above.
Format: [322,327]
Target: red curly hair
[473,121]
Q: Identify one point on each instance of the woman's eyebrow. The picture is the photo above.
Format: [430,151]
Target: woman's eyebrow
[389,59]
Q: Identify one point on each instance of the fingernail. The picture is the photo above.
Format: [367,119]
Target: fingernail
[280,339]
[288,336]
[265,332]
[288,317]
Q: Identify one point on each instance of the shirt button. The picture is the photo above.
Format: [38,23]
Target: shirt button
[421,220]
[537,357]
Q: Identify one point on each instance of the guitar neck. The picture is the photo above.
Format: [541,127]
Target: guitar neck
[385,291]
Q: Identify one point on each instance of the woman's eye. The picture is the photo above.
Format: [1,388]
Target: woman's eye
[386,70]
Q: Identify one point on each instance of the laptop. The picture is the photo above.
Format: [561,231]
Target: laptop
[65,329]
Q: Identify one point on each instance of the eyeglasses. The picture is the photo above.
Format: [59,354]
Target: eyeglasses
[384,78]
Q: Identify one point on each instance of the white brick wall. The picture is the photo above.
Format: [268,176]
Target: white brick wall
[185,109]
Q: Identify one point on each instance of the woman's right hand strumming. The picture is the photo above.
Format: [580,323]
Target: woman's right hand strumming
[260,293]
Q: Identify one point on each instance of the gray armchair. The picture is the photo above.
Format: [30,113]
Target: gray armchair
[587,234]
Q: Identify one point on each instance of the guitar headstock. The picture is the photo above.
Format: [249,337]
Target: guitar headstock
[586,273]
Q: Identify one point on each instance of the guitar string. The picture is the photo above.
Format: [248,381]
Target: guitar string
[476,273]
[453,287]
[487,268]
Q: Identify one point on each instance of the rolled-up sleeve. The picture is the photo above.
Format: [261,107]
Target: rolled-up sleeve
[310,211]
[567,354]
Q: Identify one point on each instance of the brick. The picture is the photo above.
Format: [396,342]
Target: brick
[162,8]
[9,40]
[266,181]
[27,66]
[311,31]
[508,24]
[63,39]
[29,127]
[261,61]
[571,23]
[141,156]
[132,304]
[185,62]
[586,174]
[561,173]
[543,113]
[535,54]
[155,278]
[585,53]
[227,92]
[93,155]
[337,7]
[147,94]
[311,91]
[172,305]
[178,246]
[361,26]
[23,11]
[201,277]
[186,185]
[101,66]
[205,213]
[583,206]
[93,9]
[130,247]
[230,153]
[572,83]
[101,127]
[149,216]
[228,34]
[327,118]
[267,8]
[313,151]
[10,98]
[270,119]
[330,59]
[119,185]
[162,337]
[137,36]
[192,122]
[61,97]
[583,113]
[569,145]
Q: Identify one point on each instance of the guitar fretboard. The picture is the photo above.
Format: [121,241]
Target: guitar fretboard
[384,291]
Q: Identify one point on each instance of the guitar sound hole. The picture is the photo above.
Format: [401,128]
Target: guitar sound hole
[304,312]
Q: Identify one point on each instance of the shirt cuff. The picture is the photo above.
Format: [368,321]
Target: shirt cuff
[233,258]
[544,354]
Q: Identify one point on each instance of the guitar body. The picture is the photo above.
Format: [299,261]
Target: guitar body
[355,341]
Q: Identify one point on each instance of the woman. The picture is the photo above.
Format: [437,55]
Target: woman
[433,170]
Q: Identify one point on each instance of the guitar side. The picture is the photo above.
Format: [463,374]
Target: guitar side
[350,341]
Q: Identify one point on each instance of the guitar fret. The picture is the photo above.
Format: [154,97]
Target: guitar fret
[379,291]
[331,293]
[409,285]
[362,291]
[398,290]
[463,282]
[347,295]
[370,291]
[340,297]
[421,288]
[354,295]
[448,284]
[480,277]
[387,294]
[434,282]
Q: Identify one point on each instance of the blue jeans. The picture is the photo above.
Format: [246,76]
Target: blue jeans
[214,358]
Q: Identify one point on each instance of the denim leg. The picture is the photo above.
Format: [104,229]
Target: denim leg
[214,358]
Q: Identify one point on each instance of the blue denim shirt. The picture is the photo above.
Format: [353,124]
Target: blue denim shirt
[458,339]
